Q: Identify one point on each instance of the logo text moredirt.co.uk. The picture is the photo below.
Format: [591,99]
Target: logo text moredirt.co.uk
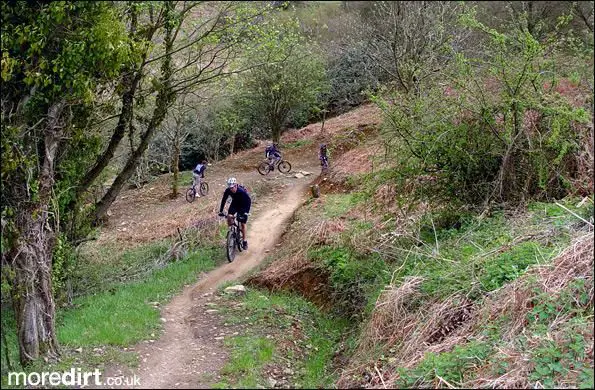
[74,377]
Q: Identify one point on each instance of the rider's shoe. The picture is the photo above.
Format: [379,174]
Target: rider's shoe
[245,245]
[197,195]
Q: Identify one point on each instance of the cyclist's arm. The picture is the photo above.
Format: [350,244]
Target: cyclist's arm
[247,201]
[225,196]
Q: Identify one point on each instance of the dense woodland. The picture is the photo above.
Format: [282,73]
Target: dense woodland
[489,102]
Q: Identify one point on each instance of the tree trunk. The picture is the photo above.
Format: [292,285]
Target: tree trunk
[276,133]
[31,258]
[175,165]
[129,84]
[133,161]
[119,132]
[32,289]
[163,101]
[323,119]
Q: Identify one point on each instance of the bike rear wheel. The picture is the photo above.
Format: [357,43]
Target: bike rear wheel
[231,245]
[284,166]
[190,195]
[264,168]
[204,189]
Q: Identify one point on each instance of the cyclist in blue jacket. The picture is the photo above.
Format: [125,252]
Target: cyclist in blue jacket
[198,173]
[240,204]
[272,153]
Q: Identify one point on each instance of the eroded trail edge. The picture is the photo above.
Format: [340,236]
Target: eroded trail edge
[190,352]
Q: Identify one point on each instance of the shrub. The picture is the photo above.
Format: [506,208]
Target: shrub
[499,130]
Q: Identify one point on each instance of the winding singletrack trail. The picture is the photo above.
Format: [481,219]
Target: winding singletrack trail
[174,358]
[190,351]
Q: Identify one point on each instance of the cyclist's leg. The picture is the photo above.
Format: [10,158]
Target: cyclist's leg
[195,179]
[243,229]
[243,220]
[197,188]
[231,212]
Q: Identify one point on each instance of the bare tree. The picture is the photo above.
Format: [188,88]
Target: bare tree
[410,40]
[176,132]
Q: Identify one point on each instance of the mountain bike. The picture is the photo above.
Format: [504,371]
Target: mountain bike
[191,192]
[267,166]
[234,239]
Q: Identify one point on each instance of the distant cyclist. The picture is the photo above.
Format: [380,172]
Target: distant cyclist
[198,173]
[272,153]
[240,204]
[323,155]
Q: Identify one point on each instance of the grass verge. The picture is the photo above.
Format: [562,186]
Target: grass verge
[99,327]
[289,343]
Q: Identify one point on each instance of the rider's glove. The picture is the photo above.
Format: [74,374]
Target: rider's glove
[221,214]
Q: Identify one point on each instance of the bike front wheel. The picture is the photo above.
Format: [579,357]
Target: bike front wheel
[284,167]
[204,189]
[190,195]
[231,245]
[264,168]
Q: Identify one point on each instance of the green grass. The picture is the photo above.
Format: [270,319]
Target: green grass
[9,327]
[101,268]
[298,144]
[557,216]
[249,354]
[355,278]
[115,318]
[121,316]
[276,317]
[481,255]
[335,205]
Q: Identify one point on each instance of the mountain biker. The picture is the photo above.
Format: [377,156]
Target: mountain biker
[198,173]
[240,203]
[323,155]
[272,153]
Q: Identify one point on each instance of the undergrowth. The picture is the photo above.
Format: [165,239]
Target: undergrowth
[289,341]
[458,256]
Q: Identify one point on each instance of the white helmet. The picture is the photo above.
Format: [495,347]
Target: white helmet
[231,181]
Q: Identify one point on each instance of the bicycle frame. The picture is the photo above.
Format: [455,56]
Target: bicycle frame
[234,231]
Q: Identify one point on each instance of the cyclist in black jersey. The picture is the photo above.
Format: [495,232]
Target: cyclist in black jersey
[240,204]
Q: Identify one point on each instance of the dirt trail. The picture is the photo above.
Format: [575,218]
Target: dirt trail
[190,352]
[262,235]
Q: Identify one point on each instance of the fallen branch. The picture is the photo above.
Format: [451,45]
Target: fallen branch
[576,215]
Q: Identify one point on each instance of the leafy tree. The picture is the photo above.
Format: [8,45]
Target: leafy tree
[54,57]
[496,128]
[197,52]
[286,76]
